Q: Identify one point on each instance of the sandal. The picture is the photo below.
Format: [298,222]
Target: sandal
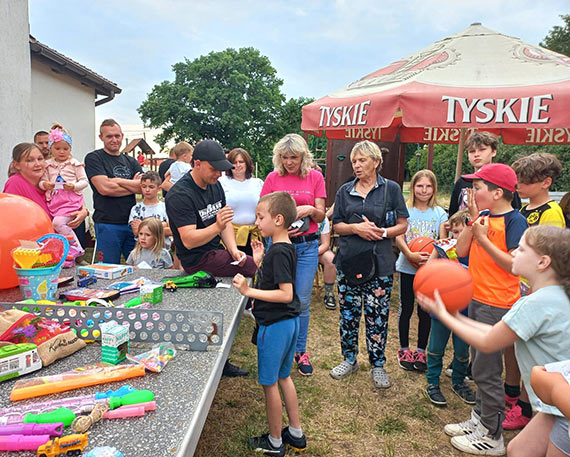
[344,370]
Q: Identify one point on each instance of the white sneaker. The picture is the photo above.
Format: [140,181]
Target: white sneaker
[463,428]
[479,442]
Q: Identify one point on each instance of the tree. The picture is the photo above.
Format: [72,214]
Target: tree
[558,39]
[232,96]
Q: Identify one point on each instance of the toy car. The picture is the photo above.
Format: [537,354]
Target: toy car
[86,280]
[169,285]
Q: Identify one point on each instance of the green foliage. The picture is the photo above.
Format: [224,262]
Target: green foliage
[232,96]
[558,39]
[445,158]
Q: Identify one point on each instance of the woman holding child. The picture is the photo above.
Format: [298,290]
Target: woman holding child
[365,261]
[294,174]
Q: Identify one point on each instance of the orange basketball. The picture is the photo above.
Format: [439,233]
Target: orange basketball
[421,244]
[450,278]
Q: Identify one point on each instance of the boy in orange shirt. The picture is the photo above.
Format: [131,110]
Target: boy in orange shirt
[488,239]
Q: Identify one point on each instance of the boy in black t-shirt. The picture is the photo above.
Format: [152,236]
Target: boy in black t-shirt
[276,308]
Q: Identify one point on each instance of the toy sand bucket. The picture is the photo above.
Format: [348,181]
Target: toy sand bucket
[41,283]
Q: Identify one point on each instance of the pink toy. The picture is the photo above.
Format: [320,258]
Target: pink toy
[121,413]
[22,442]
[32,429]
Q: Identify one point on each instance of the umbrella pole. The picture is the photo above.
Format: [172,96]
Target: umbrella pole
[460,149]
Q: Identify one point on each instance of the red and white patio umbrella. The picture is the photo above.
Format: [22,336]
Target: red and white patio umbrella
[475,79]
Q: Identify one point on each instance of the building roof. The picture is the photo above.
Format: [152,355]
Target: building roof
[64,65]
[141,143]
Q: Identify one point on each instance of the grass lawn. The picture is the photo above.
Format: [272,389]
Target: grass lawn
[340,418]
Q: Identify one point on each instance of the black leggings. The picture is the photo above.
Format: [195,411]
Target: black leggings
[407,299]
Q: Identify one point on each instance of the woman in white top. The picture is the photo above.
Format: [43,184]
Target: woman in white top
[242,194]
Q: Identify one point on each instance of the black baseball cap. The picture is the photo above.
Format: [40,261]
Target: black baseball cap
[211,151]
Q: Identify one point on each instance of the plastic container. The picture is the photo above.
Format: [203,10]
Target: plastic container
[41,283]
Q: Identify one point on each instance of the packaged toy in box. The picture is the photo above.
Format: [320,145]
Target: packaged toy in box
[114,342]
[105,270]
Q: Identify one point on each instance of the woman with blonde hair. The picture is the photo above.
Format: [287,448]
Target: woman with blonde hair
[294,174]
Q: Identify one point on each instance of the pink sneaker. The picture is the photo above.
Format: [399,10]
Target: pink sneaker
[420,361]
[304,364]
[510,401]
[406,359]
[514,419]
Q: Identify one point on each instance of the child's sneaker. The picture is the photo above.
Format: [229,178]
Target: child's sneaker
[420,361]
[330,302]
[344,370]
[510,401]
[480,442]
[463,428]
[262,444]
[433,393]
[297,444]
[514,419]
[406,359]
[464,392]
[303,363]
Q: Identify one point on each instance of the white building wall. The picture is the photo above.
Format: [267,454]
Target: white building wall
[60,98]
[15,81]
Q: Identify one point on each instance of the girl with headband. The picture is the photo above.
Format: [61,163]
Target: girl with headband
[64,181]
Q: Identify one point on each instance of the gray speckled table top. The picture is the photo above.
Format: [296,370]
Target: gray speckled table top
[183,391]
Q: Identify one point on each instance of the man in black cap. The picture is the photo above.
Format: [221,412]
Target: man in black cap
[200,220]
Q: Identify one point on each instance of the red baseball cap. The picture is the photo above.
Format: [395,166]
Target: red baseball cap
[496,173]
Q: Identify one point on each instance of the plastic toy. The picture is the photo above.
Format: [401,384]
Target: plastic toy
[18,359]
[114,342]
[60,415]
[90,375]
[106,270]
[26,257]
[151,293]
[79,405]
[22,442]
[32,429]
[200,279]
[32,222]
[71,445]
[104,451]
[170,286]
[86,280]
[155,359]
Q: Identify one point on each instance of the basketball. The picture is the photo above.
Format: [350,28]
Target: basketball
[450,278]
[421,244]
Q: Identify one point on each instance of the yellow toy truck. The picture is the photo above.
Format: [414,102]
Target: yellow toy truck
[69,445]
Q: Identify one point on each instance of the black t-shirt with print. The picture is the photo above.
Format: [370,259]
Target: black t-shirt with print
[111,210]
[278,267]
[189,204]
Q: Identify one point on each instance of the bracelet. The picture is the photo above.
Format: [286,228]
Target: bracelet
[385,232]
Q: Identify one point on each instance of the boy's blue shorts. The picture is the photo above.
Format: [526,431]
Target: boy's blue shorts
[275,350]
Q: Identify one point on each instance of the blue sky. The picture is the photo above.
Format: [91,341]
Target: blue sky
[315,46]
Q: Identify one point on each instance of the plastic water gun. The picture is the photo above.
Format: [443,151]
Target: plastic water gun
[22,442]
[32,429]
[200,279]
[79,405]
[60,415]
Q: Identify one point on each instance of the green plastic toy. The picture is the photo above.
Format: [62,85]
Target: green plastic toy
[138,396]
[200,279]
[63,415]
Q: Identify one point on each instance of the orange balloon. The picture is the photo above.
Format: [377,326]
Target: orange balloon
[22,219]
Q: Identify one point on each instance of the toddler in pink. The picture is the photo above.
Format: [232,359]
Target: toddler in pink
[64,181]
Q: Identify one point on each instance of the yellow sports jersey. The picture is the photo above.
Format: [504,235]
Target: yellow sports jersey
[548,214]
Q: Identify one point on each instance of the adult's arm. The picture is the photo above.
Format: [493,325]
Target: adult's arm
[316,213]
[78,217]
[111,187]
[193,237]
[167,183]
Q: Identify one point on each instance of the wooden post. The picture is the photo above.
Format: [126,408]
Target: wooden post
[430,157]
[460,154]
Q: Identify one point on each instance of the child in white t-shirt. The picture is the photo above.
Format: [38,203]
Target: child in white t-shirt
[183,153]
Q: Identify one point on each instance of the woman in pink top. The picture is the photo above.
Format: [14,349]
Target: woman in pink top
[30,166]
[294,174]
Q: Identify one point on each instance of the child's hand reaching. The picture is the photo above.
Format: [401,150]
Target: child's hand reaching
[49,185]
[69,186]
[433,305]
[240,283]
[257,251]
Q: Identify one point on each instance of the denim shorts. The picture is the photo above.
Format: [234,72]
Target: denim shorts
[275,350]
[559,434]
